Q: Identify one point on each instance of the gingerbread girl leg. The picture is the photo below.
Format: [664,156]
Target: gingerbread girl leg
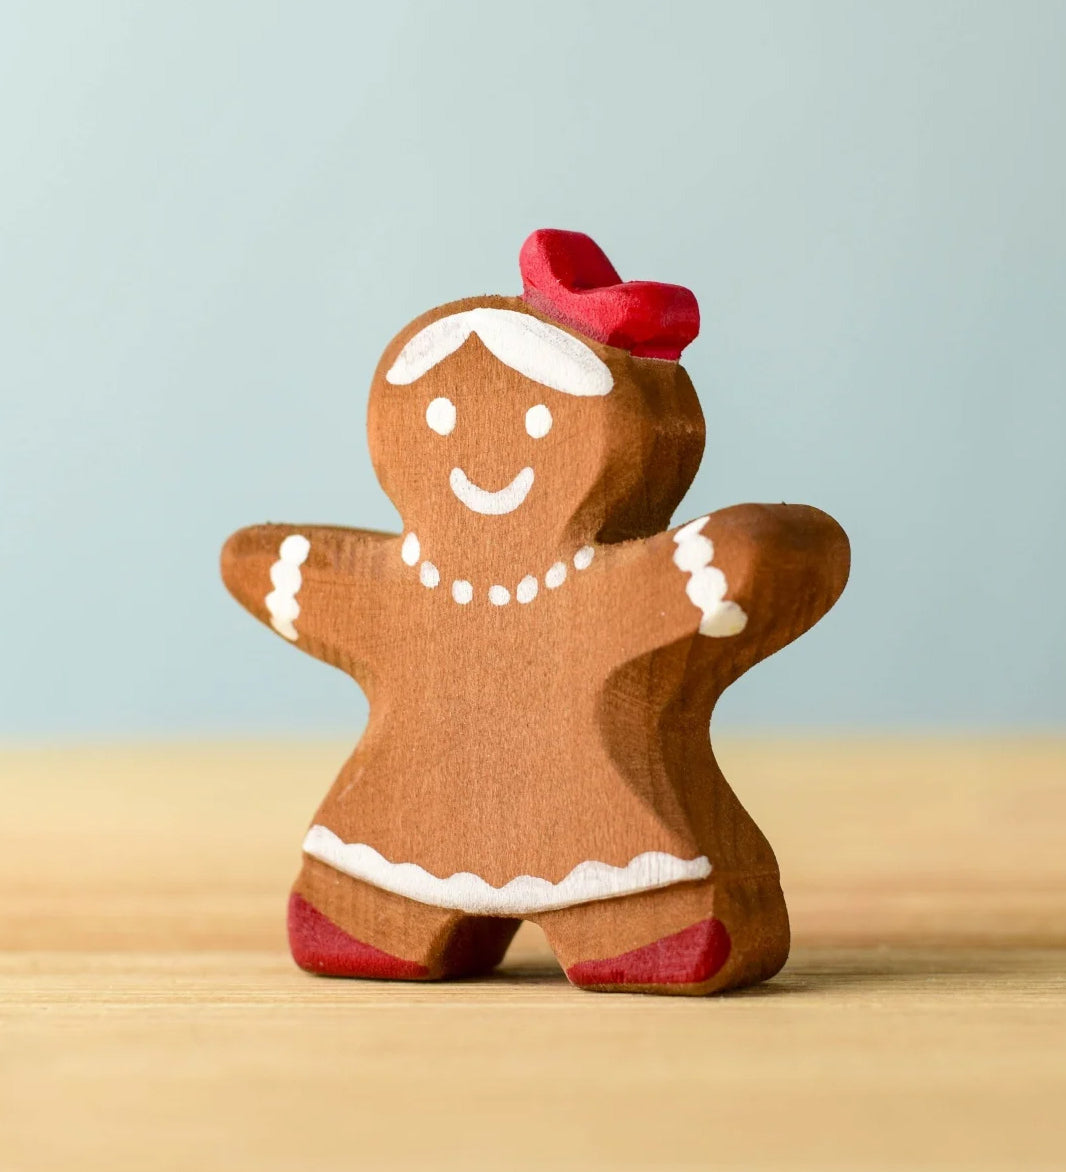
[693,938]
[341,927]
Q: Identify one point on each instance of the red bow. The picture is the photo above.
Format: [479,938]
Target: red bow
[567,276]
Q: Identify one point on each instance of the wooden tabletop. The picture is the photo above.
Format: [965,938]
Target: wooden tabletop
[150,1017]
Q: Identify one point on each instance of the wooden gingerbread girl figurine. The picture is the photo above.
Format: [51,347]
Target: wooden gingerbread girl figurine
[541,654]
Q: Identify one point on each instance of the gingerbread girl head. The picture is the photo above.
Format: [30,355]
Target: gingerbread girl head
[530,424]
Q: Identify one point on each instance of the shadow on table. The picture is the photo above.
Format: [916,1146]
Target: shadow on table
[822,971]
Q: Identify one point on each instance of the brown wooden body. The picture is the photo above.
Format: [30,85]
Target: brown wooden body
[528,738]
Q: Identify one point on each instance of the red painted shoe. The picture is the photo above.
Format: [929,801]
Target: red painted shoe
[319,946]
[688,957]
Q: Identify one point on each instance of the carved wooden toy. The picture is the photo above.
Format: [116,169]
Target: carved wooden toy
[540,652]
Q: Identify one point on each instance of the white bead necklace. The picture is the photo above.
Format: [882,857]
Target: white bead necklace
[462,590]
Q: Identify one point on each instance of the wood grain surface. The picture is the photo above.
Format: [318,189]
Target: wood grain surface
[150,1017]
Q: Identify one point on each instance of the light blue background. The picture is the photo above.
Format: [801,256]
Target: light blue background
[214,215]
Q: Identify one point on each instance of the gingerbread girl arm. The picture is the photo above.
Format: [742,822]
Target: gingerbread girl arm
[743,582]
[318,586]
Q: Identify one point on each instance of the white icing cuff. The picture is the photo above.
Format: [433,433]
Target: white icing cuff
[524,894]
[706,585]
[286,579]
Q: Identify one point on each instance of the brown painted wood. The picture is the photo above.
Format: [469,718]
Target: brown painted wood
[529,738]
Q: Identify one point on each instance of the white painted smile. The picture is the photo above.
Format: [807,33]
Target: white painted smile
[492,504]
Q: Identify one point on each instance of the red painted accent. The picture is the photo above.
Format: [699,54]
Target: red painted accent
[687,957]
[567,276]
[319,946]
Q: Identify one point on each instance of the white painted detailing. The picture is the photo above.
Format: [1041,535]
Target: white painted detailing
[464,592]
[440,415]
[533,348]
[706,585]
[491,504]
[410,551]
[295,549]
[555,576]
[522,895]
[583,557]
[286,579]
[538,421]
[527,589]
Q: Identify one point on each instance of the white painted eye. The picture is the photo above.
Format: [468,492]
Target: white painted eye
[440,415]
[538,421]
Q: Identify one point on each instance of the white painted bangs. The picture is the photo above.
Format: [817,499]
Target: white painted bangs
[533,348]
